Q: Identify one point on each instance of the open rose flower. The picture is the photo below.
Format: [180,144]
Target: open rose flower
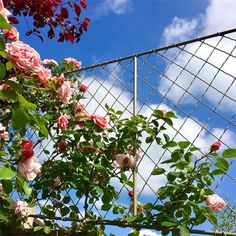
[100,121]
[27,149]
[29,168]
[21,208]
[64,92]
[44,74]
[215,203]
[11,34]
[215,146]
[74,62]
[23,57]
[3,133]
[59,80]
[63,121]
[124,161]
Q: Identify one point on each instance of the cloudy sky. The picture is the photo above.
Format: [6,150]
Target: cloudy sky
[123,27]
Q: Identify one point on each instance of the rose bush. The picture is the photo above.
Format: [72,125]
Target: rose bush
[45,99]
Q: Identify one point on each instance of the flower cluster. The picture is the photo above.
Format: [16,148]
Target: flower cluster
[215,203]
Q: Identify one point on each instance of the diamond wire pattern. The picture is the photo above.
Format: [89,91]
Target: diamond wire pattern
[181,69]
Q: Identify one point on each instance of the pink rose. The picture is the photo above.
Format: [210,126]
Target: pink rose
[23,57]
[215,203]
[29,168]
[64,92]
[74,62]
[12,34]
[44,74]
[100,121]
[22,209]
[83,88]
[63,121]
[3,133]
[60,80]
[27,150]
[215,146]
[50,62]
[124,161]
[79,107]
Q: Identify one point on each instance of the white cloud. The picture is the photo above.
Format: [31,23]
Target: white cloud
[180,29]
[198,78]
[118,7]
[147,232]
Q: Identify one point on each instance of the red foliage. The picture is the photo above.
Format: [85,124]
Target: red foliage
[51,13]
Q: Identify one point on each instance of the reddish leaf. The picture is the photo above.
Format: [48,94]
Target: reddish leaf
[13,20]
[59,16]
[61,37]
[85,24]
[77,9]
[70,37]
[83,3]
[51,34]
[64,12]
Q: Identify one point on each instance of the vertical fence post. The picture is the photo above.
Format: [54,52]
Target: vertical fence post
[134,150]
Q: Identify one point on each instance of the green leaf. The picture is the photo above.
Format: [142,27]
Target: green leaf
[37,228]
[177,154]
[27,189]
[106,207]
[7,186]
[168,224]
[183,231]
[229,153]
[8,65]
[14,85]
[26,104]
[158,171]
[222,164]
[8,95]
[3,23]
[6,173]
[47,229]
[171,114]
[2,71]
[183,144]
[169,144]
[3,54]
[19,118]
[39,121]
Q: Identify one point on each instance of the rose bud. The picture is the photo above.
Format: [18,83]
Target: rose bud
[83,88]
[215,146]
[27,148]
[131,194]
[62,144]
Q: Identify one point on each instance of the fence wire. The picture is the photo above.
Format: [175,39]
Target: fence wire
[196,80]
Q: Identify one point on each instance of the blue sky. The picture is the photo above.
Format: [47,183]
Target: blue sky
[122,27]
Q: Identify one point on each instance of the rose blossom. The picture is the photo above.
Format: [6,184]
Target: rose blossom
[215,146]
[63,121]
[124,161]
[83,88]
[131,194]
[21,208]
[3,133]
[79,106]
[64,92]
[29,168]
[27,148]
[44,74]
[215,203]
[100,121]
[60,80]
[74,62]
[23,57]
[50,62]
[12,34]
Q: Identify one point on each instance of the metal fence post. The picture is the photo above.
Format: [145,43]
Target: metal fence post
[134,150]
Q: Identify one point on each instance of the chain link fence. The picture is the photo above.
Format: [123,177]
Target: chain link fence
[196,80]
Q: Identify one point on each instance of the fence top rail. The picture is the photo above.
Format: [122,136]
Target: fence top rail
[222,33]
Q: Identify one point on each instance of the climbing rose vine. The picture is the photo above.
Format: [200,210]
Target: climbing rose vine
[42,101]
